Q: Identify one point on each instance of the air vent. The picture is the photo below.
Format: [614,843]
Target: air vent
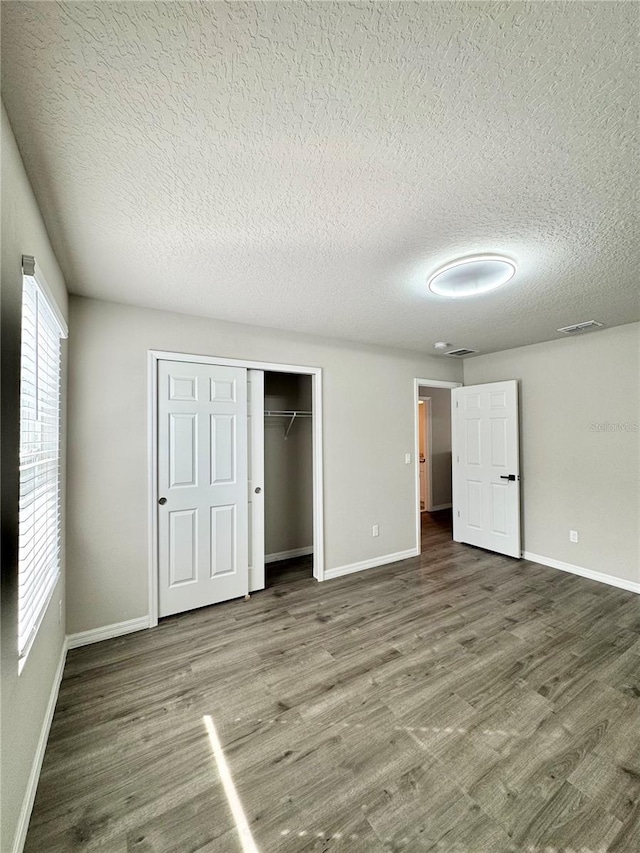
[580,327]
[460,353]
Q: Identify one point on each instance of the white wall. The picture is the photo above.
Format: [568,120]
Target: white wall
[24,697]
[579,472]
[368,427]
[440,443]
[288,465]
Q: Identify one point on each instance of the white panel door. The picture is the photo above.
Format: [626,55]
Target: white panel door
[486,480]
[255,400]
[202,485]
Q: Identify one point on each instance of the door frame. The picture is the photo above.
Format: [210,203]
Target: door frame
[431,383]
[154,356]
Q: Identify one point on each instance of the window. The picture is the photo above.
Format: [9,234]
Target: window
[39,509]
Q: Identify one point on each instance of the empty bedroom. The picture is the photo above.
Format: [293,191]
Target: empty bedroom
[320,423]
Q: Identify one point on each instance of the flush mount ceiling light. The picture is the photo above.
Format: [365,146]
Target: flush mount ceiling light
[471,276]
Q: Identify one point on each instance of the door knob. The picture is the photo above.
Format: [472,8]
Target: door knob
[162,501]
[507,476]
[258,490]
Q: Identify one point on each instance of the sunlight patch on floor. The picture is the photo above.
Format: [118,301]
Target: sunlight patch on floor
[242,825]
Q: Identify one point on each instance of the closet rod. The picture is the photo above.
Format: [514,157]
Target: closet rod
[288,414]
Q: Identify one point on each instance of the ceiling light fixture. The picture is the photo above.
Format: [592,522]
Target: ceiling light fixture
[471,276]
[441,345]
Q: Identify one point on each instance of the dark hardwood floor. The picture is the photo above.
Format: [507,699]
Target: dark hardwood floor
[460,701]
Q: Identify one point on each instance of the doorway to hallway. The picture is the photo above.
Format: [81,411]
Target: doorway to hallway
[433,452]
[434,433]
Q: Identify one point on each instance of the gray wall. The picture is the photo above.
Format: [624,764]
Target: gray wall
[288,465]
[25,696]
[368,428]
[440,443]
[578,471]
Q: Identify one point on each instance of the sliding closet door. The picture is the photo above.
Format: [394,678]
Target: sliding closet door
[256,479]
[203,511]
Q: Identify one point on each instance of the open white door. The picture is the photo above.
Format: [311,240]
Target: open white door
[486,471]
[202,485]
[256,479]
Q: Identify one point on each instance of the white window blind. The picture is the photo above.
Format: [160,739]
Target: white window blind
[39,510]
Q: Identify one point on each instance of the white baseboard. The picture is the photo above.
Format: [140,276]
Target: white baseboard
[611,580]
[438,507]
[339,571]
[288,555]
[96,635]
[34,775]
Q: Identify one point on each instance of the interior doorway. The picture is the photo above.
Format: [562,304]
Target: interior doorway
[484,481]
[434,406]
[433,457]
[424,416]
[288,477]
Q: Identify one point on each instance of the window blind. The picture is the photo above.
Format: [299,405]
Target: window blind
[39,507]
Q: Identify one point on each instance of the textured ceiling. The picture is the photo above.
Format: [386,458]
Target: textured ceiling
[306,165]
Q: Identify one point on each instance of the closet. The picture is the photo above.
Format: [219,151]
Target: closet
[288,476]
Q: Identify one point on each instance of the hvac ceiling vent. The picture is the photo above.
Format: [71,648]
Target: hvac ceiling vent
[580,327]
[460,353]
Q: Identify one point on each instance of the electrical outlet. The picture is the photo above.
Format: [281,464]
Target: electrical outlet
[60,612]
[573,536]
[376,530]
[407,459]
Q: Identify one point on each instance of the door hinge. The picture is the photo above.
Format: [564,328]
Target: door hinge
[458,513]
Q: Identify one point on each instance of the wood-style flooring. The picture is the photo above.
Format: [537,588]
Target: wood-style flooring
[460,701]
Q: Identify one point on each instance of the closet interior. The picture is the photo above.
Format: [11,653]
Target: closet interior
[288,476]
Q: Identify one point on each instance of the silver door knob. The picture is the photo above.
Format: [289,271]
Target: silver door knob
[162,501]
[258,490]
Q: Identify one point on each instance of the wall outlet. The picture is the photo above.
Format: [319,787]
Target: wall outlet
[407,459]
[60,612]
[376,530]
[573,536]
